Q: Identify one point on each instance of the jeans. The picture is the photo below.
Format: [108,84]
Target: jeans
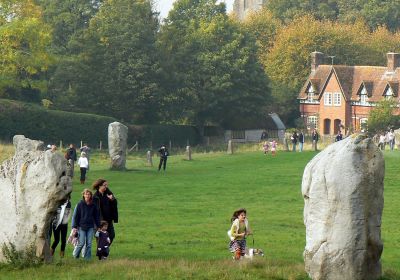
[301,146]
[391,143]
[85,239]
[294,147]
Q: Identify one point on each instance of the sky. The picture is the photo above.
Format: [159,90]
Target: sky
[163,6]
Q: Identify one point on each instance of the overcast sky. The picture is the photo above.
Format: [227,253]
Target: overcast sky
[163,6]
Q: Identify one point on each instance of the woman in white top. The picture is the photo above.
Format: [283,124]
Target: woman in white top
[83,164]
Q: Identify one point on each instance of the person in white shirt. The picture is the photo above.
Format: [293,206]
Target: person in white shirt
[381,143]
[83,164]
[390,136]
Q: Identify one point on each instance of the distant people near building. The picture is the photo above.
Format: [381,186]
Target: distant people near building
[274,146]
[339,136]
[294,139]
[71,157]
[83,165]
[163,152]
[301,141]
[382,140]
[266,147]
[315,138]
[85,149]
[391,138]
[264,135]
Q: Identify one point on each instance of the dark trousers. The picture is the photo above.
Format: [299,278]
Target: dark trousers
[111,231]
[83,174]
[163,162]
[60,230]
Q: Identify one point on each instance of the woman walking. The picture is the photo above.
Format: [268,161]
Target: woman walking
[86,218]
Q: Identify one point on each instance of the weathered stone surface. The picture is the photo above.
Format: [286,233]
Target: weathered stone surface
[117,144]
[343,195]
[33,184]
[188,153]
[397,138]
[230,147]
[149,156]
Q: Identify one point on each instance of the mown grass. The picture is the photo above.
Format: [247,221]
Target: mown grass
[173,225]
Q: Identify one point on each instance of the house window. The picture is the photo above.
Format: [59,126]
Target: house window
[363,124]
[388,93]
[312,122]
[328,99]
[337,99]
[310,94]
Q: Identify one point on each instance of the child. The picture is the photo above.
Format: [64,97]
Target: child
[265,147]
[273,147]
[103,241]
[239,230]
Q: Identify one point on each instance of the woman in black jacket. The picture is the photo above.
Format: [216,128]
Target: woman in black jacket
[107,205]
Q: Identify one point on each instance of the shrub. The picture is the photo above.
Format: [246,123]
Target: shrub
[20,259]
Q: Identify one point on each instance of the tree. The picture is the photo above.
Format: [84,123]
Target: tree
[382,117]
[24,39]
[117,70]
[215,73]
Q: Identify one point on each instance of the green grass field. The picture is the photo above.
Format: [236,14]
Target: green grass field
[173,225]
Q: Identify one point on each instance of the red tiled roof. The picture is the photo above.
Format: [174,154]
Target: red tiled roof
[351,78]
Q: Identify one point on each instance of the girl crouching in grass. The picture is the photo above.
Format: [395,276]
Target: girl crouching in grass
[238,232]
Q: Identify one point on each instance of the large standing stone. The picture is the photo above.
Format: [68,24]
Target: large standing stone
[343,195]
[33,184]
[117,145]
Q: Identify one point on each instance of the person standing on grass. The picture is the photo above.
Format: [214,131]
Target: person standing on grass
[391,138]
[163,152]
[301,141]
[86,218]
[60,227]
[315,138]
[274,145]
[294,138]
[85,149]
[83,165]
[239,231]
[106,204]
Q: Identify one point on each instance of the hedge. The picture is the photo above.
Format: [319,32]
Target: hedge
[51,126]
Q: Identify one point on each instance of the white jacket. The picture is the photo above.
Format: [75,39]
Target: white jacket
[235,223]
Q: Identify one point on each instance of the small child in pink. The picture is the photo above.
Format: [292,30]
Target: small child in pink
[266,147]
[273,147]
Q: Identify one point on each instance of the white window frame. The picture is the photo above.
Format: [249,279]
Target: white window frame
[362,121]
[388,93]
[312,120]
[363,97]
[328,99]
[337,99]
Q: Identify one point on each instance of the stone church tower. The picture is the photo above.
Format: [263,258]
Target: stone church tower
[242,7]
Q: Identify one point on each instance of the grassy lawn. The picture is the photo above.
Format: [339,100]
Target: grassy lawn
[173,225]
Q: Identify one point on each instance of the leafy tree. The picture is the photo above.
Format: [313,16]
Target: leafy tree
[382,116]
[24,39]
[116,72]
[215,75]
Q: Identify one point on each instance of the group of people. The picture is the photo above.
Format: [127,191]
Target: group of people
[83,161]
[94,215]
[386,138]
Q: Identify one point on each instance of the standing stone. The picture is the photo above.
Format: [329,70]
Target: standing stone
[230,147]
[117,145]
[149,158]
[188,153]
[397,138]
[33,184]
[343,202]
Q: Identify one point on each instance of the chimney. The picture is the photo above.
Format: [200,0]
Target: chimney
[317,58]
[393,61]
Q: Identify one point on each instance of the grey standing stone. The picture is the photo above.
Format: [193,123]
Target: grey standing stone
[33,183]
[230,147]
[188,153]
[117,145]
[343,201]
[149,156]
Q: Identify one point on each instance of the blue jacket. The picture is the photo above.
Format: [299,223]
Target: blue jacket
[87,216]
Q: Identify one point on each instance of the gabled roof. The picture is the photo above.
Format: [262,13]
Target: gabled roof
[375,79]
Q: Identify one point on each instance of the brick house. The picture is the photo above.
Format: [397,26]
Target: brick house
[338,95]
